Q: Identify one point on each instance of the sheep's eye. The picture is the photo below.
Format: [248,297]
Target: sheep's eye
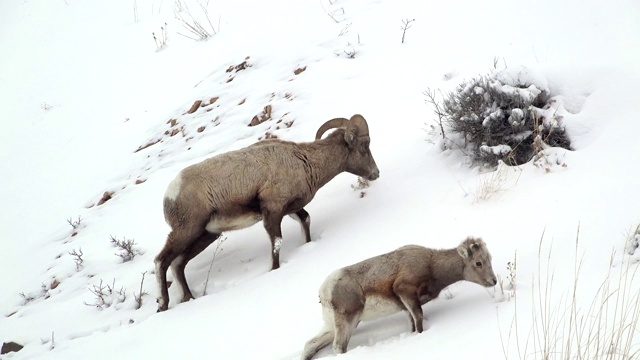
[478,263]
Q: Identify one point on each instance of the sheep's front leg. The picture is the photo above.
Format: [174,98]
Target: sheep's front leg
[408,294]
[272,221]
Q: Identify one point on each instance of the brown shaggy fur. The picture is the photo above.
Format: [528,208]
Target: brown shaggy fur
[265,181]
[401,280]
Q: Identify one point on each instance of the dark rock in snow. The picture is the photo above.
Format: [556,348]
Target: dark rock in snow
[10,347]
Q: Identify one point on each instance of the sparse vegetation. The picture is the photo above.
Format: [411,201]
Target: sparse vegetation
[77,257]
[562,328]
[136,18]
[161,41]
[51,341]
[218,250]
[361,186]
[508,287]
[345,30]
[406,24]
[141,293]
[351,53]
[107,295]
[430,98]
[128,247]
[333,14]
[633,241]
[494,183]
[43,293]
[199,25]
[75,224]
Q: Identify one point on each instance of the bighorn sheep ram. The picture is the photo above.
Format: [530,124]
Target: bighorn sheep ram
[264,181]
[403,279]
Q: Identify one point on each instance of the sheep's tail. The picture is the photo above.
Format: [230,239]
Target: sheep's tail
[324,338]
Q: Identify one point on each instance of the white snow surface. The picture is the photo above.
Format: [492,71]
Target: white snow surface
[83,87]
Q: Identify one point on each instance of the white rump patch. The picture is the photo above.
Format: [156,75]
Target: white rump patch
[328,316]
[174,188]
[328,285]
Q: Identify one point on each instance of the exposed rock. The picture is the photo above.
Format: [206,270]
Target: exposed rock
[54,284]
[105,197]
[259,119]
[10,347]
[173,132]
[243,65]
[194,107]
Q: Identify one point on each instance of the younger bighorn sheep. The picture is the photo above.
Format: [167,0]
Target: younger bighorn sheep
[403,279]
[265,181]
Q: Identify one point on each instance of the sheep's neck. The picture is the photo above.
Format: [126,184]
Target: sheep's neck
[447,270]
[326,161]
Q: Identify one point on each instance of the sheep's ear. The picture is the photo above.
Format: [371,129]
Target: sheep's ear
[350,138]
[463,251]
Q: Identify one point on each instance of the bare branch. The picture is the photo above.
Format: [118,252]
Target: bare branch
[431,99]
[406,24]
[141,293]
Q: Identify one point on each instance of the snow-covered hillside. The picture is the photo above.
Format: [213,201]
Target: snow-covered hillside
[92,106]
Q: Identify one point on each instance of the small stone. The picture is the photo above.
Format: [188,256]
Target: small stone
[10,347]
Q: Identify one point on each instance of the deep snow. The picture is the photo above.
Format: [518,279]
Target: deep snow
[83,88]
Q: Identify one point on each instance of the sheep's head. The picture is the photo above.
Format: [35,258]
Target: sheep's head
[477,262]
[356,136]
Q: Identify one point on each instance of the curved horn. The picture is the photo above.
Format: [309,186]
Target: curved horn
[359,124]
[332,124]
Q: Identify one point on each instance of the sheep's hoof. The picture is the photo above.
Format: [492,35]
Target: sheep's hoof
[187,298]
[161,306]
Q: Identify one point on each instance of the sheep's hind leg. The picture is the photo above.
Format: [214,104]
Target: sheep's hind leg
[163,260]
[302,216]
[324,338]
[180,262]
[344,328]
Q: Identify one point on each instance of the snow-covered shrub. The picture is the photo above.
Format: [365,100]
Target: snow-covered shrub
[504,116]
[633,241]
